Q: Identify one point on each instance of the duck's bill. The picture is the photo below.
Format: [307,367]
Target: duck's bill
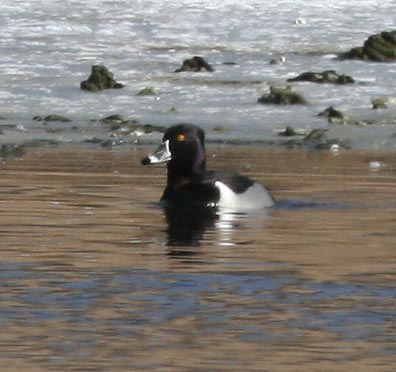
[161,155]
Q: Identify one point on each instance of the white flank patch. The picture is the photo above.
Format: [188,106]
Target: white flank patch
[255,197]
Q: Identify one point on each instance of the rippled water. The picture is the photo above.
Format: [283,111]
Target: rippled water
[47,48]
[94,275]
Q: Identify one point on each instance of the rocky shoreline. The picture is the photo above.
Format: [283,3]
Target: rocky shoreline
[119,130]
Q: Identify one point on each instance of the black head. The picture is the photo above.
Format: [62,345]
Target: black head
[183,149]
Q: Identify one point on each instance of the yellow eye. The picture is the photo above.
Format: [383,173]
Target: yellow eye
[181,137]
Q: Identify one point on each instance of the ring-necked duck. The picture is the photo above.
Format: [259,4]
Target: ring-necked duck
[190,184]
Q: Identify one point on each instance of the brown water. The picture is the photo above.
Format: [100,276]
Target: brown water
[94,278]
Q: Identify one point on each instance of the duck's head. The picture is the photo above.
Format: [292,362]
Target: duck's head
[183,149]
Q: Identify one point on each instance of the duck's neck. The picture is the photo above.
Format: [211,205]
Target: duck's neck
[186,174]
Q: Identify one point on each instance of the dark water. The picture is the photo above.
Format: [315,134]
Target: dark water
[95,277]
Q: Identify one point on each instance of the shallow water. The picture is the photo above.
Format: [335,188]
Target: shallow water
[95,278]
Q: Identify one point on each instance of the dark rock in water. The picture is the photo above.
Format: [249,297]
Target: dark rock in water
[291,132]
[51,118]
[325,77]
[101,78]
[333,115]
[195,64]
[282,96]
[379,47]
[278,61]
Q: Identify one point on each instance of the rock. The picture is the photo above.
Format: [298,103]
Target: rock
[278,61]
[291,132]
[333,115]
[379,47]
[51,118]
[149,91]
[380,103]
[100,78]
[11,150]
[195,64]
[124,127]
[300,21]
[317,140]
[325,77]
[220,129]
[316,136]
[113,119]
[282,96]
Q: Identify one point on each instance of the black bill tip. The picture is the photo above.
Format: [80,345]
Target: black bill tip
[146,161]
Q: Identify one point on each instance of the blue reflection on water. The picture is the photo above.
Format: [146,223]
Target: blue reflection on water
[139,298]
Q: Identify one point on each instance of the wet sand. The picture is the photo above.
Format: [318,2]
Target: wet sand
[94,277]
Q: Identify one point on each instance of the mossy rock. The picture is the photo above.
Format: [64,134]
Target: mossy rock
[100,78]
[282,96]
[325,77]
[379,47]
[195,64]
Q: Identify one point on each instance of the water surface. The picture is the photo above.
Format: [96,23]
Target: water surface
[95,277]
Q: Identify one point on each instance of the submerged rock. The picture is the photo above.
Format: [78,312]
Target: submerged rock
[380,103]
[317,139]
[125,127]
[195,64]
[220,129]
[11,150]
[149,91]
[325,77]
[51,118]
[100,78]
[282,96]
[278,61]
[333,115]
[291,132]
[379,47]
[113,119]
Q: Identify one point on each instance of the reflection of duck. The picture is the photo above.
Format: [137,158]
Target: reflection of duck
[186,226]
[189,184]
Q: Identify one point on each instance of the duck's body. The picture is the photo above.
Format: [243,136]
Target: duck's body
[189,184]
